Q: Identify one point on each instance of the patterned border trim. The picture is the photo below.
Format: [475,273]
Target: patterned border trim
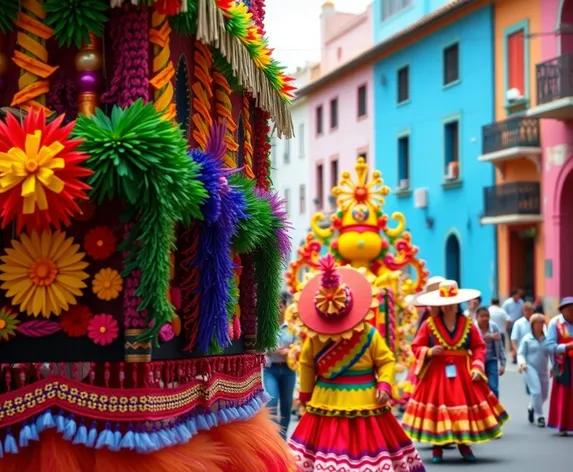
[124,404]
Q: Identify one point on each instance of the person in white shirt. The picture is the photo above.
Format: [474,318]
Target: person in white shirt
[514,307]
[500,317]
[472,307]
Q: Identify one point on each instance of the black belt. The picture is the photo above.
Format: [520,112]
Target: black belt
[278,364]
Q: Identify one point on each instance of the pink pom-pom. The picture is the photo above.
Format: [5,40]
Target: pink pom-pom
[166,333]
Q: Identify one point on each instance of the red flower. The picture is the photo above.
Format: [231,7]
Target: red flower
[75,321]
[168,7]
[103,329]
[100,243]
[40,172]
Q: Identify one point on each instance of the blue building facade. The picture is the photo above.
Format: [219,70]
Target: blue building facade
[391,16]
[431,100]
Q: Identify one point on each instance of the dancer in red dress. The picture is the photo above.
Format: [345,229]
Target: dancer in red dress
[346,380]
[452,402]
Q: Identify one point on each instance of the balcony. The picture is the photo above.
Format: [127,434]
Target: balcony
[515,138]
[512,203]
[555,89]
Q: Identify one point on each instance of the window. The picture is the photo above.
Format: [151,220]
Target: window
[301,141]
[302,199]
[334,172]
[404,162]
[319,186]
[287,151]
[319,129]
[364,156]
[362,101]
[452,149]
[287,202]
[334,113]
[403,92]
[516,61]
[392,7]
[451,64]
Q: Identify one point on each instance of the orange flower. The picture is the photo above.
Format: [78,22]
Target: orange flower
[75,321]
[100,243]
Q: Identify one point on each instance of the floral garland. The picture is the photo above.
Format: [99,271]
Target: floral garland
[262,148]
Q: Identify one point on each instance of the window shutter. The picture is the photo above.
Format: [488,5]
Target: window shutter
[516,61]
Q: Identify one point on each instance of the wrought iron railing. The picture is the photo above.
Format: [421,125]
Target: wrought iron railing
[555,79]
[518,131]
[521,198]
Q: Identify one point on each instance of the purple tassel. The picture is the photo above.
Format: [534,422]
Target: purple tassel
[278,209]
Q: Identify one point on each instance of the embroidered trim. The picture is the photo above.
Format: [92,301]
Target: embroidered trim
[462,338]
[348,414]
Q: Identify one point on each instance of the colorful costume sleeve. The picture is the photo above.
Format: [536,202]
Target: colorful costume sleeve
[477,347]
[551,341]
[421,347]
[307,371]
[385,363]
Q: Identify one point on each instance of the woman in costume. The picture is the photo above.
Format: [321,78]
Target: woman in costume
[559,343]
[432,285]
[452,402]
[346,371]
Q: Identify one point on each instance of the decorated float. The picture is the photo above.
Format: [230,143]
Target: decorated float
[141,244]
[359,233]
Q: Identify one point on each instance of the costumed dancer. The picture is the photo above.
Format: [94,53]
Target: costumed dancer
[559,342]
[346,375]
[533,361]
[452,402]
[433,284]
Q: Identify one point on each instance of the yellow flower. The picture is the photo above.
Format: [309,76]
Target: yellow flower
[107,284]
[33,168]
[43,273]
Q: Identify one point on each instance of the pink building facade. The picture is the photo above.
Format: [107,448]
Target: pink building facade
[341,110]
[555,108]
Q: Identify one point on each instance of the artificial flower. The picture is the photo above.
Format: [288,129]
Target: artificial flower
[100,243]
[8,323]
[44,274]
[76,320]
[103,329]
[39,172]
[107,284]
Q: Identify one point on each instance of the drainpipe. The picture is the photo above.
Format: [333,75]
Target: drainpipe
[495,239]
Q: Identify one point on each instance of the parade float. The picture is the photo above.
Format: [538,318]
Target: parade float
[359,233]
[142,246]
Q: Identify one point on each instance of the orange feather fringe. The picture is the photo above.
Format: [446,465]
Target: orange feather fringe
[248,446]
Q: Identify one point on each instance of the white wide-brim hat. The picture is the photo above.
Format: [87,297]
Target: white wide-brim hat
[448,293]
[432,284]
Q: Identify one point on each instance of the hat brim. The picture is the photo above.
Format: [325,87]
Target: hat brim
[432,281]
[361,303]
[434,299]
[563,305]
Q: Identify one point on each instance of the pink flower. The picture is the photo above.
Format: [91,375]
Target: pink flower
[103,329]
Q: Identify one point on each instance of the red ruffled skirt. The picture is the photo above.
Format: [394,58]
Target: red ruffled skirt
[374,443]
[452,410]
[561,407]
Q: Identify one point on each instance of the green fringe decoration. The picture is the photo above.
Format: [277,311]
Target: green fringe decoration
[222,65]
[233,300]
[73,20]
[185,23]
[142,160]
[8,13]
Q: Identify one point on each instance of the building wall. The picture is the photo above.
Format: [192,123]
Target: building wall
[288,175]
[453,210]
[508,14]
[383,29]
[557,143]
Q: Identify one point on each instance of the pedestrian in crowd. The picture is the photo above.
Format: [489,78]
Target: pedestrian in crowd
[452,402]
[559,343]
[279,380]
[521,327]
[539,306]
[346,377]
[500,317]
[432,285]
[514,308]
[533,361]
[472,307]
[494,353]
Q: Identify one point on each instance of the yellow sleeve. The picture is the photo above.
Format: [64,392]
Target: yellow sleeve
[307,370]
[384,361]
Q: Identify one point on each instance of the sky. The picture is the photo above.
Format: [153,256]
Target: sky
[293,28]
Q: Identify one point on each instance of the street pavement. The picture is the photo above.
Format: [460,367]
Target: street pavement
[523,447]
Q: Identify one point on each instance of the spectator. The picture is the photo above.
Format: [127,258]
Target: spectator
[472,307]
[494,354]
[500,317]
[514,308]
